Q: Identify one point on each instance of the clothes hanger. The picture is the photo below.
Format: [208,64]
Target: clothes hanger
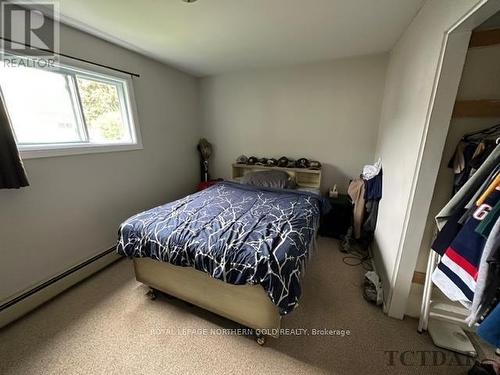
[487,132]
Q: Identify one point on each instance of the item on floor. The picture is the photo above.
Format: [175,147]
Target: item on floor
[242,159]
[372,288]
[252,160]
[338,220]
[206,184]
[205,150]
[261,161]
[486,367]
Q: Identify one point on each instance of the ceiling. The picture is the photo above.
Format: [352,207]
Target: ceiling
[215,36]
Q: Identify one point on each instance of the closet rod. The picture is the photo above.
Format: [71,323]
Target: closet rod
[489,131]
[71,57]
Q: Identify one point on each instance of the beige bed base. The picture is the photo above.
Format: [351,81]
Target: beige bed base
[248,305]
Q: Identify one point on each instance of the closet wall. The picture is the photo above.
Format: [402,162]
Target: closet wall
[480,80]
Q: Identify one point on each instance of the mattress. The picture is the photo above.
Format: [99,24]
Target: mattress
[235,233]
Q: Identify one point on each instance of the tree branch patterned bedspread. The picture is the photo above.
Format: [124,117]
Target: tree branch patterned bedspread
[236,233]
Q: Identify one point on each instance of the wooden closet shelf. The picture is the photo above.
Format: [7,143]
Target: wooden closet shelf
[485,38]
[477,108]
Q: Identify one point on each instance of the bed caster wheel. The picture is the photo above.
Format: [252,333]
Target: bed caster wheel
[152,294]
[261,339]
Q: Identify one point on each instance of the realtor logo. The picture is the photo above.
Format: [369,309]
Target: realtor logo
[26,30]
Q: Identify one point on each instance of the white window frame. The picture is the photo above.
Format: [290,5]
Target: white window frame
[128,107]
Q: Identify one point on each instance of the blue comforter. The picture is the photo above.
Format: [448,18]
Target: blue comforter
[236,233]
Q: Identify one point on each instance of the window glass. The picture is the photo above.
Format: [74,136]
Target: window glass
[103,112]
[41,106]
[66,107]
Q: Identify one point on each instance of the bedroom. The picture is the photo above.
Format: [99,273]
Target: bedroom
[345,83]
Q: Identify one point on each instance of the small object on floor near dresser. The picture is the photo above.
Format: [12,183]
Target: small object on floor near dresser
[337,222]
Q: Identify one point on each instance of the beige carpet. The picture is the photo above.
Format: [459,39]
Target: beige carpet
[106,325]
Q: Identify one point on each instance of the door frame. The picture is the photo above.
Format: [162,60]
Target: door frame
[454,47]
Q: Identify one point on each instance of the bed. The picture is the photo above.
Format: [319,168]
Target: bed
[236,250]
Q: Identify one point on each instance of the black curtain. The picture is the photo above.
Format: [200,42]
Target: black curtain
[12,173]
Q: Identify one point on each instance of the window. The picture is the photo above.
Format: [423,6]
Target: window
[67,110]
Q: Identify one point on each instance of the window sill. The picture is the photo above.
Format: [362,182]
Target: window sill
[67,150]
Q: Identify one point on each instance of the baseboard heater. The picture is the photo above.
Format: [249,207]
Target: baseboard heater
[29,300]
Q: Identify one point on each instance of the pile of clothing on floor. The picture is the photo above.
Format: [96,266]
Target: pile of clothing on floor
[366,192]
[469,245]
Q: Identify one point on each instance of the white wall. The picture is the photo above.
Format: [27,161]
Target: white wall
[405,140]
[480,66]
[74,205]
[325,111]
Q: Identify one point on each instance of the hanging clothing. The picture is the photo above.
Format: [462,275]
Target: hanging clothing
[459,218]
[456,274]
[489,329]
[373,194]
[471,206]
[461,164]
[373,187]
[370,171]
[487,192]
[480,148]
[371,216]
[457,161]
[356,191]
[468,157]
[485,227]
[479,158]
[460,199]
[492,245]
[491,293]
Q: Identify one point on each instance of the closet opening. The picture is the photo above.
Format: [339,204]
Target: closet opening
[456,285]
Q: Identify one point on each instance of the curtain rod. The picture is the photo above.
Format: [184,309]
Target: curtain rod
[72,57]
